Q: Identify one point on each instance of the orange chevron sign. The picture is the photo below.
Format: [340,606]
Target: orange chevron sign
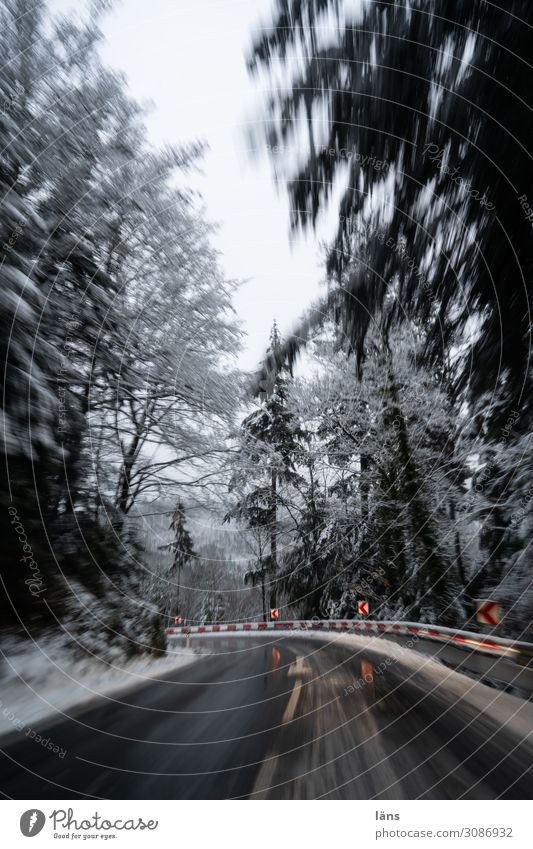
[488,613]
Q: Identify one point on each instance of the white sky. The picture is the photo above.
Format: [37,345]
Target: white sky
[188,57]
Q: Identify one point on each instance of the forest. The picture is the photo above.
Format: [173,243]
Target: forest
[381,450]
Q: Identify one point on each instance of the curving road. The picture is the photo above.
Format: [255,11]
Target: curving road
[287,718]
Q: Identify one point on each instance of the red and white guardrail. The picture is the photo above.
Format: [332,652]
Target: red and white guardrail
[465,639]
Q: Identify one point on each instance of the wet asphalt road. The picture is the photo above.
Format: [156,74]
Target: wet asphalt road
[276,718]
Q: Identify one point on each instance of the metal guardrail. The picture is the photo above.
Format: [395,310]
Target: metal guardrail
[497,660]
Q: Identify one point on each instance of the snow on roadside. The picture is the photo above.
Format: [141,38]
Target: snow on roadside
[41,681]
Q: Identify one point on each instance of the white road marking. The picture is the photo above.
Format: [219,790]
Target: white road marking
[293,701]
[265,776]
[299,668]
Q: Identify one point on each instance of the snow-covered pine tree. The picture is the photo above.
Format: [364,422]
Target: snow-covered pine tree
[270,445]
[182,548]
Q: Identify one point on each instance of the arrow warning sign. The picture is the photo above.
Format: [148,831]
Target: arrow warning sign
[362,608]
[488,613]
[274,613]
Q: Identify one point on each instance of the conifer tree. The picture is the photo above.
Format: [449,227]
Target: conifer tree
[270,440]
